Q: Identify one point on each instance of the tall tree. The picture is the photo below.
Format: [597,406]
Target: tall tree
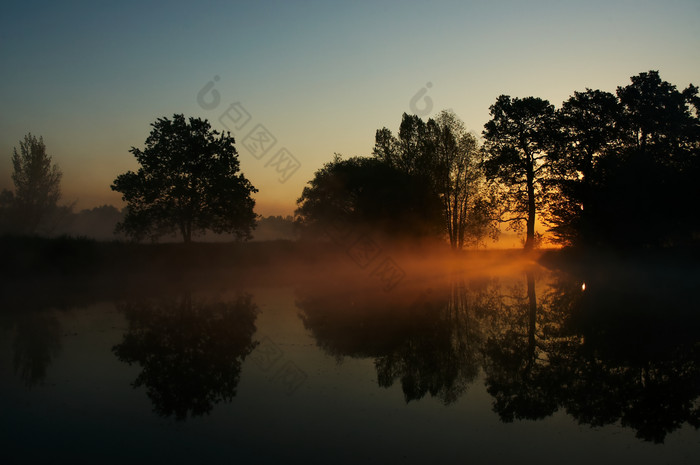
[446,156]
[588,132]
[460,181]
[518,141]
[33,206]
[626,166]
[661,162]
[188,182]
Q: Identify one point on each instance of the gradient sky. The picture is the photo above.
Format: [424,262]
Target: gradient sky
[322,77]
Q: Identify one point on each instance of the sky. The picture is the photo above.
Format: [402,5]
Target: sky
[316,78]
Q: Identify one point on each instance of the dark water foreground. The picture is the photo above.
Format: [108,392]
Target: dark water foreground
[486,362]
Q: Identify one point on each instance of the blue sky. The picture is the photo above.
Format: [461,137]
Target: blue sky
[321,77]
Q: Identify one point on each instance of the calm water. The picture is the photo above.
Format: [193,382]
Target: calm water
[493,367]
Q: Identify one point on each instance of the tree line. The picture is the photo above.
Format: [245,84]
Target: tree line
[603,169]
[183,164]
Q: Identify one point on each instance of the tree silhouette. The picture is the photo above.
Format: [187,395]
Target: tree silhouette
[518,141]
[443,153]
[412,151]
[625,166]
[98,222]
[368,193]
[33,207]
[188,182]
[663,134]
[589,131]
[190,352]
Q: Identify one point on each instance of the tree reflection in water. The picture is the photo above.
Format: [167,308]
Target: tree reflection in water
[428,341]
[37,342]
[440,356]
[32,319]
[623,352]
[515,360]
[190,351]
[629,352]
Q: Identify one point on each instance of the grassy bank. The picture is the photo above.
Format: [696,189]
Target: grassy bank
[23,256]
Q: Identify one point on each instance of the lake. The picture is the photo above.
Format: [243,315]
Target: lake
[492,363]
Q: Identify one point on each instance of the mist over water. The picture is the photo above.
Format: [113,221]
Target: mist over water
[324,348]
[469,264]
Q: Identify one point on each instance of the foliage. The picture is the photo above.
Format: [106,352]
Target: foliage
[33,206]
[188,182]
[446,156]
[518,139]
[368,193]
[588,131]
[626,166]
[97,223]
[275,228]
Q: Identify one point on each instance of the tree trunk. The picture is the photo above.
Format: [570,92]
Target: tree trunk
[455,221]
[531,211]
[186,230]
[461,221]
[532,323]
[448,219]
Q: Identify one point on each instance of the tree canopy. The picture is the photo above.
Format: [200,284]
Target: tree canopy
[612,170]
[588,131]
[447,158]
[368,193]
[33,206]
[425,181]
[188,182]
[518,141]
[626,166]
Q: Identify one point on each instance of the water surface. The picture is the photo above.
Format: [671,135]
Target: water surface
[501,365]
